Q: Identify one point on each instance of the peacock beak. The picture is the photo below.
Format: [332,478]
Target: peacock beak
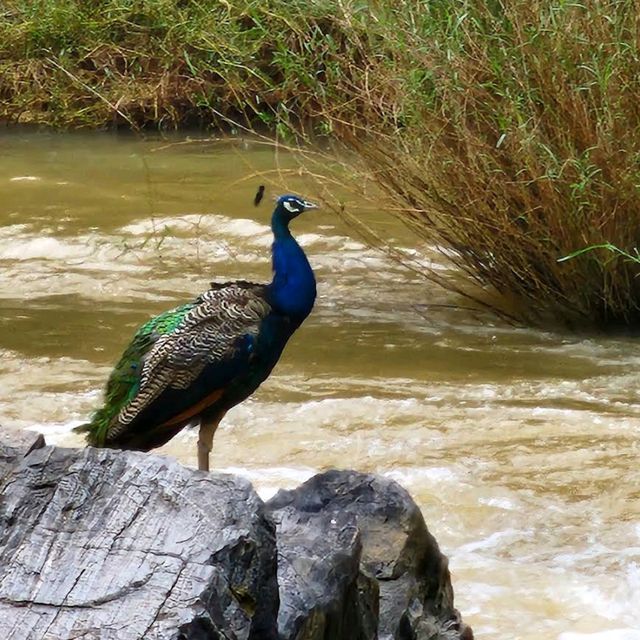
[310,205]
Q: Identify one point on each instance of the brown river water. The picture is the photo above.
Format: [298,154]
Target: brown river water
[520,446]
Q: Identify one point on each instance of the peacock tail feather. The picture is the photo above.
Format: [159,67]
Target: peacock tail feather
[179,361]
[124,382]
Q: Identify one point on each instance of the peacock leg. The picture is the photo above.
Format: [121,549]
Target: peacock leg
[208,428]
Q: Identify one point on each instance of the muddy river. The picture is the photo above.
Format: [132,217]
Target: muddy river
[520,446]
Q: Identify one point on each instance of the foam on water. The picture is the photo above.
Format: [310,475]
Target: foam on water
[197,223]
[269,480]
[46,391]
[520,446]
[45,249]
[94,264]
[618,602]
[25,179]
[612,634]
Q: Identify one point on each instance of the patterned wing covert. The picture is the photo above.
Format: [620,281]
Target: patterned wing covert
[124,381]
[219,324]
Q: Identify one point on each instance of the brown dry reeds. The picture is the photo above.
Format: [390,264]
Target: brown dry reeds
[508,133]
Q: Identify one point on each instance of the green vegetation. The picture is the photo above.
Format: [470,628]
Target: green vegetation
[160,63]
[505,132]
[510,133]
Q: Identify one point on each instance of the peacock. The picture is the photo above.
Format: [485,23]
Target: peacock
[193,363]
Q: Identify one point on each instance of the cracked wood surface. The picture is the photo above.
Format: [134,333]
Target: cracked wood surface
[96,543]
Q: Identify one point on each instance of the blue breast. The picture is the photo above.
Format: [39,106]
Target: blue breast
[293,289]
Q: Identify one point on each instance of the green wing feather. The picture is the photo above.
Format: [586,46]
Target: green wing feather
[124,381]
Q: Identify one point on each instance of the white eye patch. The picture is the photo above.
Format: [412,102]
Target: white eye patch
[290,207]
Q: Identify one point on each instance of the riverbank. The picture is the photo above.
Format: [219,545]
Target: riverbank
[506,135]
[151,64]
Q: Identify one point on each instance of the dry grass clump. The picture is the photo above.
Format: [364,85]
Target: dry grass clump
[509,134]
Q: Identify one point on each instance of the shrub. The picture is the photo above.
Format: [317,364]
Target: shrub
[510,133]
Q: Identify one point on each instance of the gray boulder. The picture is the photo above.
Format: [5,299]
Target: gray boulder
[101,544]
[323,594]
[122,545]
[18,444]
[397,550]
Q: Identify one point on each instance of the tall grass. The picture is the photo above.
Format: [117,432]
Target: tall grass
[133,63]
[508,133]
[505,132]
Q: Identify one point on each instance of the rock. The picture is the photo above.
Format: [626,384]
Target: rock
[416,597]
[322,591]
[17,444]
[14,446]
[118,545]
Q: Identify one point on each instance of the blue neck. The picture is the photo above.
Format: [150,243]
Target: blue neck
[293,288]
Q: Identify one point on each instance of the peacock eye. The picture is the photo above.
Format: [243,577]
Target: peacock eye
[289,206]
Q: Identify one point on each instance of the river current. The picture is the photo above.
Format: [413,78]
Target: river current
[520,446]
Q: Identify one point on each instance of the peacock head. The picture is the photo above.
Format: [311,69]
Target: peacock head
[289,207]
